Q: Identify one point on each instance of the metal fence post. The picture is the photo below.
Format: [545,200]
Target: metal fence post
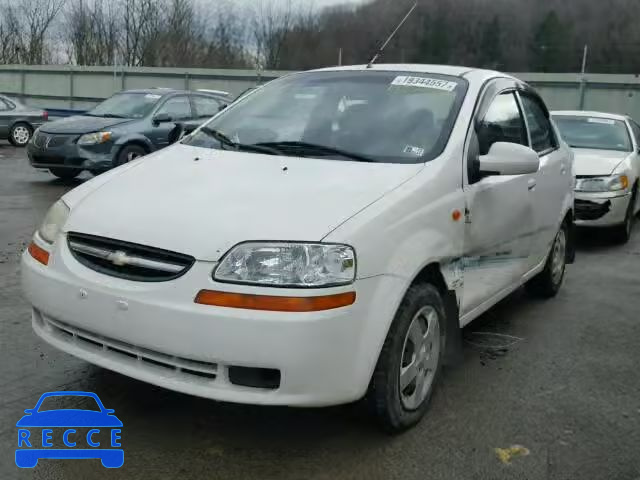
[186,80]
[23,82]
[583,79]
[123,84]
[71,88]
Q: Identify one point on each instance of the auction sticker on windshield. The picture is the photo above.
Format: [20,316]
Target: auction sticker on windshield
[424,82]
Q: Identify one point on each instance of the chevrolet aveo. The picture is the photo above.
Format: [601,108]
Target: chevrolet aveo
[320,241]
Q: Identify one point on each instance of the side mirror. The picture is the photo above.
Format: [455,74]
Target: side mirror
[109,411]
[29,411]
[161,118]
[509,159]
[222,107]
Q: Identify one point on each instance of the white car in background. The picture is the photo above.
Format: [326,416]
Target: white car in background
[606,147]
[322,240]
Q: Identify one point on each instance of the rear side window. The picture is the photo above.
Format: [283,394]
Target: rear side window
[205,106]
[3,105]
[542,136]
[502,123]
[178,108]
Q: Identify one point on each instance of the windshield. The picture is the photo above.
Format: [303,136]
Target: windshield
[69,402]
[594,132]
[391,117]
[127,105]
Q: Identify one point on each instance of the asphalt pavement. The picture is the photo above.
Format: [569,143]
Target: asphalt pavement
[566,387]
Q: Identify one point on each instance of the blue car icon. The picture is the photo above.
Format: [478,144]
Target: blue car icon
[32,446]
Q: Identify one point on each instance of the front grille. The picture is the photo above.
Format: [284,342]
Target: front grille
[48,160]
[588,210]
[127,260]
[45,140]
[125,351]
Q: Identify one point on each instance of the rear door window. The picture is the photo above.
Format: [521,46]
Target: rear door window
[205,106]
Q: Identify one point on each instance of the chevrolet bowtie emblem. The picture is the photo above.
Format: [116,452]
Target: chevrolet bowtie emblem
[119,258]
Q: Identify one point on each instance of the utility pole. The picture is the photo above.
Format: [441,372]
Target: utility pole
[340,57]
[583,79]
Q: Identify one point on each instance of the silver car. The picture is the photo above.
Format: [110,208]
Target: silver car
[607,163]
[18,122]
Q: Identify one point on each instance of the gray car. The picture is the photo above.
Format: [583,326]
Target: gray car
[127,125]
[18,122]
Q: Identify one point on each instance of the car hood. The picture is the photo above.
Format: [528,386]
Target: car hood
[201,202]
[589,161]
[69,418]
[81,124]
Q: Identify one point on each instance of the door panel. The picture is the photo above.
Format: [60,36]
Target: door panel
[500,217]
[553,177]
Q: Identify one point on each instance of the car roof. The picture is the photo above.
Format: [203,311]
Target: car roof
[472,74]
[583,113]
[170,91]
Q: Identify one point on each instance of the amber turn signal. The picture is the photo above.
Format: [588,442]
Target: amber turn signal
[39,253]
[274,303]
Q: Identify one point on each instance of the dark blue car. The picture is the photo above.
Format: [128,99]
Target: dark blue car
[125,126]
[32,445]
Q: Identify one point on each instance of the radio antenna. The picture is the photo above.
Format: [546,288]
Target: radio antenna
[379,52]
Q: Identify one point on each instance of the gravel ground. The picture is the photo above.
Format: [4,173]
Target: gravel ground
[569,391]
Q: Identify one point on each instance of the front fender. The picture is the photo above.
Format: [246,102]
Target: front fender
[134,138]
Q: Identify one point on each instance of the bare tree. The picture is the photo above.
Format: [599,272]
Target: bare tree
[92,32]
[271,24]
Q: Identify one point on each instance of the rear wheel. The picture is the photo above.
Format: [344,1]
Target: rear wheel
[20,134]
[547,283]
[65,173]
[410,361]
[129,153]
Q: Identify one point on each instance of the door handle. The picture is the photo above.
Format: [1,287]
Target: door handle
[531,184]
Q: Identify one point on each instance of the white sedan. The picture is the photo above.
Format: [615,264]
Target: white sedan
[607,162]
[320,240]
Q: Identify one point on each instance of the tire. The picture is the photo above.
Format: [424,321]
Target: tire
[623,232]
[547,283]
[129,153]
[395,408]
[20,134]
[65,173]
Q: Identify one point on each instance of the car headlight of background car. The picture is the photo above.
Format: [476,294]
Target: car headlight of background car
[53,221]
[288,264]
[602,184]
[94,138]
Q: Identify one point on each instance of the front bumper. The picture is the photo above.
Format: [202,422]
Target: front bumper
[156,333]
[71,155]
[600,209]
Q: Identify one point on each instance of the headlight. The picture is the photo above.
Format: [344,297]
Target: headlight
[602,184]
[286,264]
[94,138]
[53,222]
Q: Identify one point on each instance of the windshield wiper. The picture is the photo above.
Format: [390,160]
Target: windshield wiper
[304,149]
[225,140]
[113,115]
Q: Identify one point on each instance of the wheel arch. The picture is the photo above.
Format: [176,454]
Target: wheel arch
[432,273]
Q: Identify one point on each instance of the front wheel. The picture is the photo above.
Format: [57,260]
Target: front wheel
[65,173]
[128,153]
[20,134]
[410,361]
[547,283]
[623,232]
